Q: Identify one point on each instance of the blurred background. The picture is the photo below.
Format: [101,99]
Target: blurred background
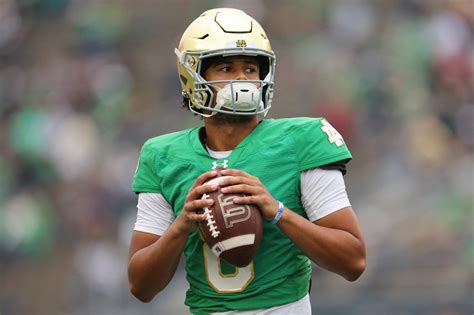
[83,83]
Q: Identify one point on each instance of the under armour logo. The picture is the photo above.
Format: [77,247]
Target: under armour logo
[216,164]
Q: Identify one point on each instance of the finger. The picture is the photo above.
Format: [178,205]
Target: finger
[234,180]
[194,205]
[199,191]
[246,200]
[234,172]
[242,188]
[197,217]
[203,178]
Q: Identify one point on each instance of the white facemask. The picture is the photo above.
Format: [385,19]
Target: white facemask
[239,96]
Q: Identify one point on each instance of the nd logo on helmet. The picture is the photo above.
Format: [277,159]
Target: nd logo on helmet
[241,43]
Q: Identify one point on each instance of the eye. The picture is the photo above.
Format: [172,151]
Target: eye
[251,69]
[224,69]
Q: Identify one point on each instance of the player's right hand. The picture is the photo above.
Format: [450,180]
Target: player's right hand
[189,216]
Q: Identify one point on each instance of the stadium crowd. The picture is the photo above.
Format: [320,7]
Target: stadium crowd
[79,81]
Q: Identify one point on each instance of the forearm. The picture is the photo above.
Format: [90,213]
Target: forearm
[333,249]
[153,259]
[152,268]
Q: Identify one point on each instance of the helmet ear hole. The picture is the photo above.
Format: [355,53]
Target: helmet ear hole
[183,79]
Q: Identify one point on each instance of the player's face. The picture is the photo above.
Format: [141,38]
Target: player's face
[233,68]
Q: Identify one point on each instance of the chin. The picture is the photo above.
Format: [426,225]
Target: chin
[222,118]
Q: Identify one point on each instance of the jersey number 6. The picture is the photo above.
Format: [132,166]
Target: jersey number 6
[225,283]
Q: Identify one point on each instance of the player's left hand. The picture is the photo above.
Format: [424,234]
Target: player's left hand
[242,182]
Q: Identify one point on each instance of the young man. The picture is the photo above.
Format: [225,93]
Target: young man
[290,168]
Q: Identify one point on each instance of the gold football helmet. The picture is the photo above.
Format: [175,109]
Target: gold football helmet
[221,33]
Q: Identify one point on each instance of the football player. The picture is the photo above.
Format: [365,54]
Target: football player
[292,169]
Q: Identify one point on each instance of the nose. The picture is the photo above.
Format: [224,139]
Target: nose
[241,75]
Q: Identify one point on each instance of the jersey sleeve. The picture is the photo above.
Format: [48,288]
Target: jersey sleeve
[318,144]
[146,178]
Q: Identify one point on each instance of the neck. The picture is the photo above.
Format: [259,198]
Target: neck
[224,132]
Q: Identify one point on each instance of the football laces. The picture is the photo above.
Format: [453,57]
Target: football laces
[210,220]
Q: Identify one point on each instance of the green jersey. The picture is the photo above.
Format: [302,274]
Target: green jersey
[276,152]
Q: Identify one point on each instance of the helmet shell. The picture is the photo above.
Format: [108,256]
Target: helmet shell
[221,32]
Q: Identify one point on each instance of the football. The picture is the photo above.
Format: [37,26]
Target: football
[233,232]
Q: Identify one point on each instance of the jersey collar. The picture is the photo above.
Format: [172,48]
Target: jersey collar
[197,139]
